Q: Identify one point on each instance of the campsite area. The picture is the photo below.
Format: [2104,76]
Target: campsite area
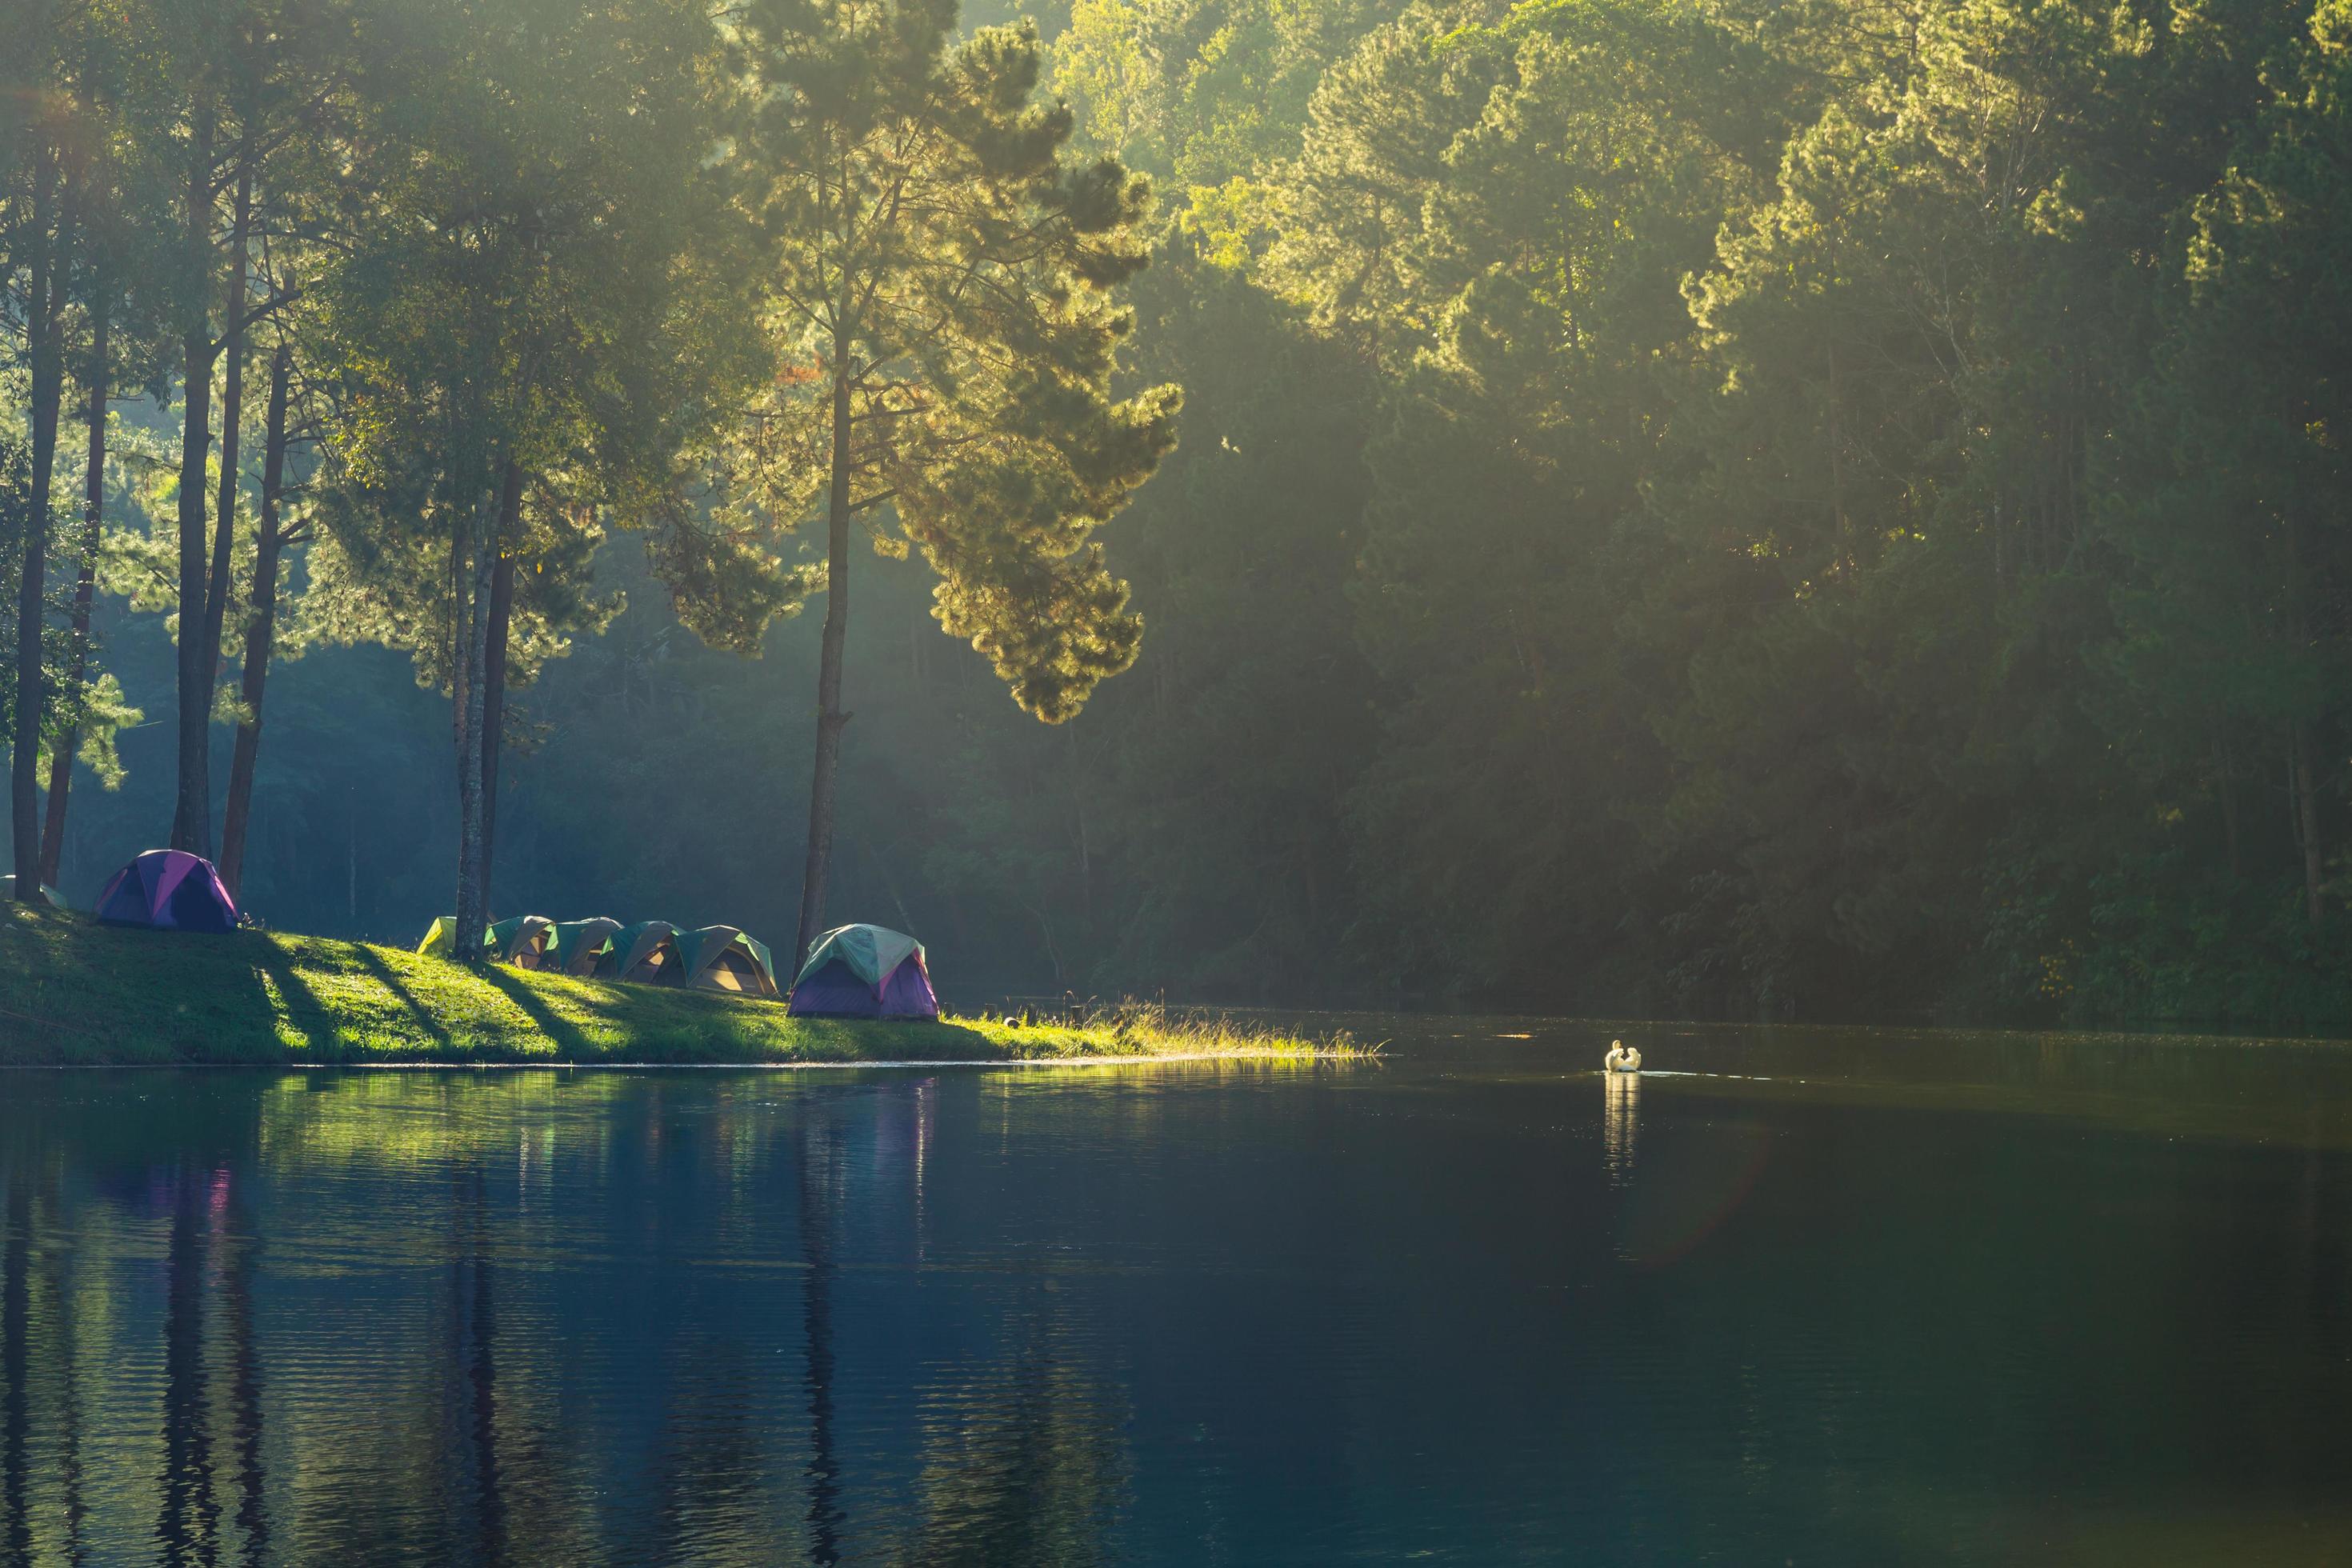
[76,992]
[1220,782]
[1821,513]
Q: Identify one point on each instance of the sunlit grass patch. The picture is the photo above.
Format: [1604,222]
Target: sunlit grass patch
[75,992]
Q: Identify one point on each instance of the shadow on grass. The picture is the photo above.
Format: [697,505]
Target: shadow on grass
[73,991]
[46,1015]
[566,1035]
[127,994]
[367,960]
[298,1005]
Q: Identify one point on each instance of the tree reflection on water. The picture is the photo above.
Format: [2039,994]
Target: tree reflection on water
[1949,1310]
[504,1322]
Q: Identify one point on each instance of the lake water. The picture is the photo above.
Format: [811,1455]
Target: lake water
[1819,1296]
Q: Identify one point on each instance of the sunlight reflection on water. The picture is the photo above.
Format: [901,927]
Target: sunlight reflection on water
[1620,1124]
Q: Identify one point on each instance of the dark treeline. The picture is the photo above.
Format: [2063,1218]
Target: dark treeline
[1801,510]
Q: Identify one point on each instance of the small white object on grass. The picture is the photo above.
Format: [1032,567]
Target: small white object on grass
[1621,1057]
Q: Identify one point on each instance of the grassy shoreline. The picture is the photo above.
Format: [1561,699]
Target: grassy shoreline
[74,992]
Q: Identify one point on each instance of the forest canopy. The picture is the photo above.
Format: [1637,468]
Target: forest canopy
[1705,507]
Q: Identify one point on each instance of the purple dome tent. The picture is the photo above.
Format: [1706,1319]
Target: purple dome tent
[168,889]
[864,972]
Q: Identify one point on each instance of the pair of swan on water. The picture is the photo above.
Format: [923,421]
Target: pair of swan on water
[1621,1057]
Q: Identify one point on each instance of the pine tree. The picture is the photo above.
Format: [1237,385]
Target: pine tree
[516,308]
[943,301]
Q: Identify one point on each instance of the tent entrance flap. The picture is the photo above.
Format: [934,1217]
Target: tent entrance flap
[644,954]
[578,947]
[722,958]
[522,940]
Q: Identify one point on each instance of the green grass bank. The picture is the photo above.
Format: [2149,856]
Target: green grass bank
[76,992]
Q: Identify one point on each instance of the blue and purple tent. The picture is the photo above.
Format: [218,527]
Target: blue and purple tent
[169,889]
[864,972]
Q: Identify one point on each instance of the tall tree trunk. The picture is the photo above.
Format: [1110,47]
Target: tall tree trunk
[260,630]
[494,674]
[1845,543]
[2307,806]
[216,585]
[2302,798]
[474,624]
[1086,847]
[93,512]
[460,546]
[830,719]
[192,817]
[48,287]
[2225,787]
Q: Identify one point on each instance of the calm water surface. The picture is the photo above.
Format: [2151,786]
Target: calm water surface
[1815,1298]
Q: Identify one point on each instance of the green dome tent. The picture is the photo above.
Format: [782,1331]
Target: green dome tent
[441,940]
[644,954]
[722,958]
[864,972]
[522,940]
[578,947]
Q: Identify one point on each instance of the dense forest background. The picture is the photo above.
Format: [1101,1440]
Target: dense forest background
[1823,510]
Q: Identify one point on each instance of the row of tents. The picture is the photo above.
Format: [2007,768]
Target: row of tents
[651,952]
[853,972]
